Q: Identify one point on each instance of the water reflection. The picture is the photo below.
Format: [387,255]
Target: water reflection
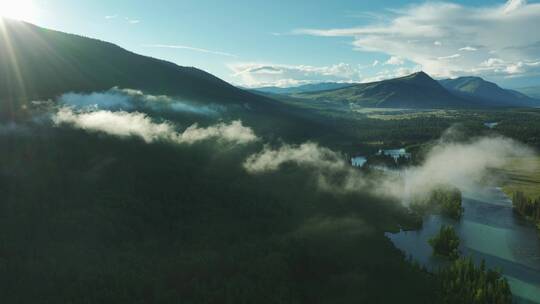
[488,230]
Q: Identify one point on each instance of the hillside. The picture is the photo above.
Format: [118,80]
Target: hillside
[488,93]
[38,63]
[306,88]
[417,90]
[41,63]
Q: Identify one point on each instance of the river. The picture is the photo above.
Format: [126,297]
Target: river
[488,230]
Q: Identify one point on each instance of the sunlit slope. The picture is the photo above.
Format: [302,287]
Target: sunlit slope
[41,63]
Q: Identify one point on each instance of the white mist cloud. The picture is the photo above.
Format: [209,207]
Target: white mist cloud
[494,31]
[234,132]
[461,164]
[130,99]
[125,124]
[307,154]
[331,171]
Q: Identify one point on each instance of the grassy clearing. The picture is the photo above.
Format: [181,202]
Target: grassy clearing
[523,175]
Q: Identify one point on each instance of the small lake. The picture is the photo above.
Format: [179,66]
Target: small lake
[489,230]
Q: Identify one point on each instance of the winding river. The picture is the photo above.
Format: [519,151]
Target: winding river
[489,230]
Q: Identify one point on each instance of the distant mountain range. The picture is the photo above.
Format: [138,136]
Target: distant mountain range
[41,63]
[38,63]
[417,90]
[306,88]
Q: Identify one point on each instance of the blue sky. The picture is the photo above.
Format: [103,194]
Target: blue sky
[258,43]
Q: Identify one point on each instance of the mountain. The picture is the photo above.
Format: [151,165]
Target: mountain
[42,63]
[417,90]
[489,93]
[38,63]
[306,88]
[533,92]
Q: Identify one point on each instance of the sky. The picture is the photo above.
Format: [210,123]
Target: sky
[255,43]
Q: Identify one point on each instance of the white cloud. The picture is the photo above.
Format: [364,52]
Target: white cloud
[493,62]
[189,48]
[375,63]
[395,60]
[498,66]
[468,49]
[449,57]
[437,43]
[410,33]
[125,124]
[111,17]
[260,74]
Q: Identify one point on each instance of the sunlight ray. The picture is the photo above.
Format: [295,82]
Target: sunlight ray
[12,64]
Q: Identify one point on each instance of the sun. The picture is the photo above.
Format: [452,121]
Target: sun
[18,9]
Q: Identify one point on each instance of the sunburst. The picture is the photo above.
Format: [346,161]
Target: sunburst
[18,9]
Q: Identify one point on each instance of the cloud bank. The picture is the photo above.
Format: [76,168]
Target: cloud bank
[448,39]
[125,124]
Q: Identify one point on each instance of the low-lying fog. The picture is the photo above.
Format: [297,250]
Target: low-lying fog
[455,160]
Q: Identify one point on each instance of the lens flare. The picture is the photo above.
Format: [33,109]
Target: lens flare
[18,9]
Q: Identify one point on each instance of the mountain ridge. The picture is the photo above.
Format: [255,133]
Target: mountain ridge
[42,64]
[85,64]
[417,90]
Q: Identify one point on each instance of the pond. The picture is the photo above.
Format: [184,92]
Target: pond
[489,230]
[358,161]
